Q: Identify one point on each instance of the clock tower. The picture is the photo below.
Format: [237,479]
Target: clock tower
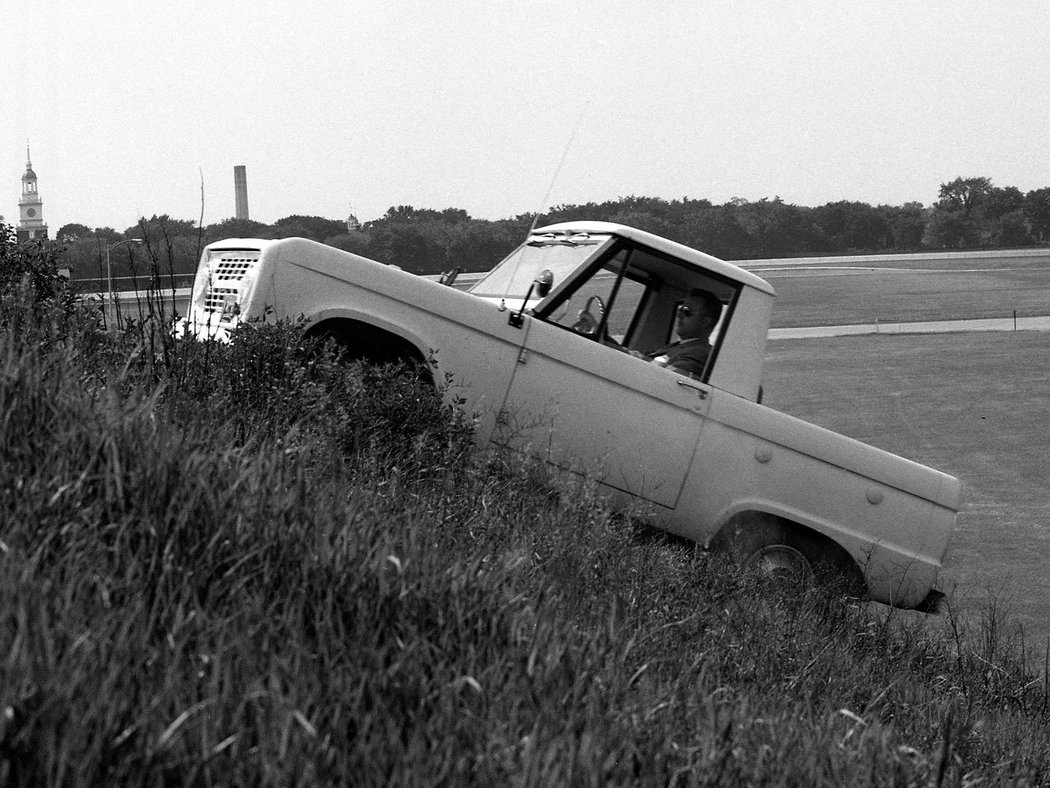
[30,207]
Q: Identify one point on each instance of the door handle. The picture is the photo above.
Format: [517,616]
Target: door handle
[697,387]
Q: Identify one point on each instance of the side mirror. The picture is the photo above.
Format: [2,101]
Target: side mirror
[544,282]
[449,277]
[541,285]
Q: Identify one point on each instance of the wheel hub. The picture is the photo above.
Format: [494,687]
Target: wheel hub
[783,564]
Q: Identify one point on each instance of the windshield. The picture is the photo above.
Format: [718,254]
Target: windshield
[559,253]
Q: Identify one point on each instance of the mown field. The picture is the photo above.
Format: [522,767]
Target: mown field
[256,565]
[973,405]
[911,292]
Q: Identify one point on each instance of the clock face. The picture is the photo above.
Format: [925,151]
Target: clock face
[30,212]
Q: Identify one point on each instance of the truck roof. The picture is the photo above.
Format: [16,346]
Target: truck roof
[685,253]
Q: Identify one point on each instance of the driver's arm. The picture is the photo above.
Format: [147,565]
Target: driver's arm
[608,341]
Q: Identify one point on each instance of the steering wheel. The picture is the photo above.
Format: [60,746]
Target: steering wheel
[586,322]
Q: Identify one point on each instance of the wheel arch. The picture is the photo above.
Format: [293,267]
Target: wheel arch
[752,526]
[370,339]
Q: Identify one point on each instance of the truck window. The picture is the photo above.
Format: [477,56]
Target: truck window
[613,296]
[560,254]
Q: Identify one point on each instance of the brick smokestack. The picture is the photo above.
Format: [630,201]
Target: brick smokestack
[240,191]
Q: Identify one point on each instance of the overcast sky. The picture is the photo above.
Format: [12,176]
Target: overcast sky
[503,108]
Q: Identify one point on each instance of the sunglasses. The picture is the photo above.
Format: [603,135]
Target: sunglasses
[684,311]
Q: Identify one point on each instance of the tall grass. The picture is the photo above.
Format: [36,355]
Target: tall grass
[252,564]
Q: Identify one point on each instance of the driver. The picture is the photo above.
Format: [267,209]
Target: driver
[695,320]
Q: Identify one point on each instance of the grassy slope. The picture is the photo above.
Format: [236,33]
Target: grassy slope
[239,567]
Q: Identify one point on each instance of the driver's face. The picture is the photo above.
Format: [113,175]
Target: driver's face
[692,321]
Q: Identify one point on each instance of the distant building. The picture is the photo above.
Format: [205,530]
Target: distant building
[240,191]
[30,206]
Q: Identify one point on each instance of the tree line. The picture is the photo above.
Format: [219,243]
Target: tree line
[970,213]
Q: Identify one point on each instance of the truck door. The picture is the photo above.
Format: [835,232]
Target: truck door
[591,408]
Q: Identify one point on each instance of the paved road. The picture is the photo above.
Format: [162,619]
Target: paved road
[938,260]
[1041,323]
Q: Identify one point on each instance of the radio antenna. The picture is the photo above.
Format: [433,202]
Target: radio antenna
[546,197]
[561,163]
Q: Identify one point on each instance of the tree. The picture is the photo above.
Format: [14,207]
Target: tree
[236,228]
[313,227]
[1001,201]
[415,246]
[1010,229]
[966,213]
[774,228]
[406,213]
[105,235]
[645,220]
[164,225]
[68,233]
[852,226]
[716,230]
[907,224]
[964,194]
[354,241]
[34,264]
[401,213]
[454,216]
[949,230]
[1037,212]
[478,245]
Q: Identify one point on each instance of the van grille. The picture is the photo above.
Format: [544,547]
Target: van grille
[228,270]
[215,299]
[234,268]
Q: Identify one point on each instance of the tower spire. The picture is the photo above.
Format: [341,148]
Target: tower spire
[30,207]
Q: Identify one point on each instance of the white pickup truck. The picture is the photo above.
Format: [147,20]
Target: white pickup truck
[706,459]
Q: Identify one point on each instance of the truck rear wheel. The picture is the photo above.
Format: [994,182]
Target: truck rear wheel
[789,554]
[783,564]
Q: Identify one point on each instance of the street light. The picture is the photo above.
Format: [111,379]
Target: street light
[109,269]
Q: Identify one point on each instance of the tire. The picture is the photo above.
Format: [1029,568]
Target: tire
[790,555]
[783,564]
[775,551]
